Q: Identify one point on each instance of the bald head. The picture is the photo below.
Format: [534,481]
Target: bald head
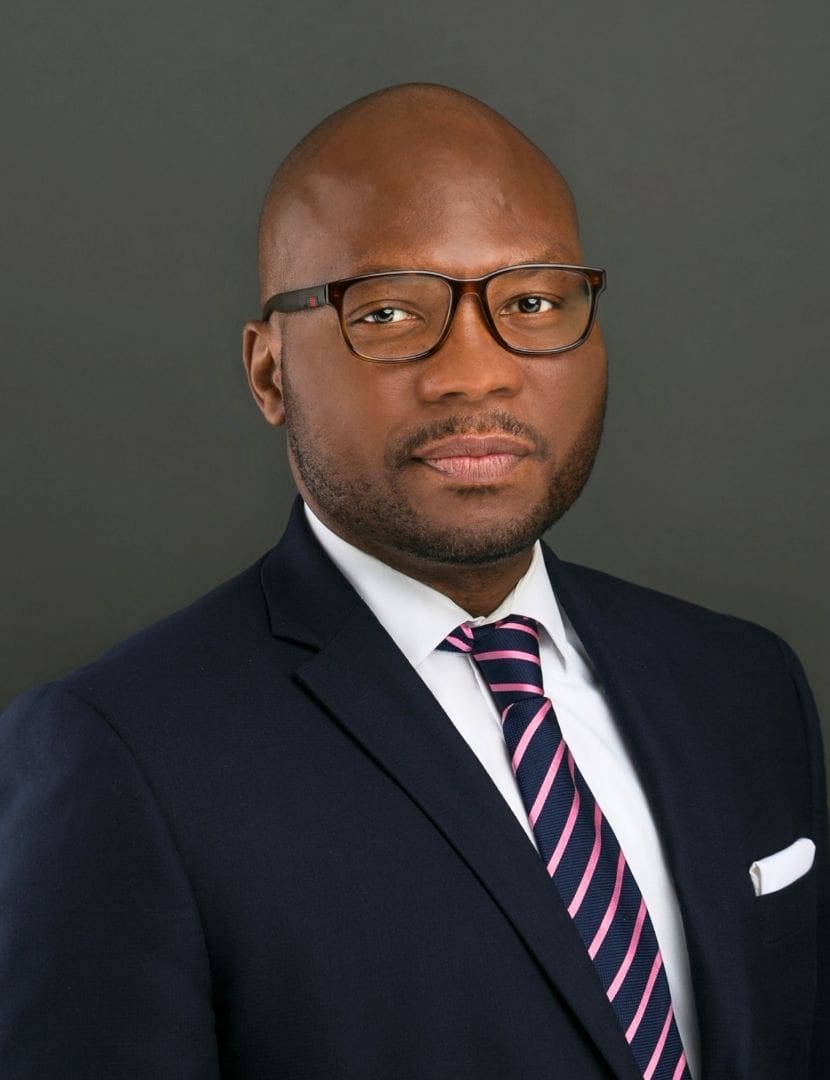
[404,154]
[423,178]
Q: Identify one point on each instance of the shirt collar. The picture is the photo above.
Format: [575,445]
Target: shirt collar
[418,617]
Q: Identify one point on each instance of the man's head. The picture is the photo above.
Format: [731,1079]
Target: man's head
[462,458]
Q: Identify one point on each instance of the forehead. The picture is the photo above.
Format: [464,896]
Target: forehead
[462,209]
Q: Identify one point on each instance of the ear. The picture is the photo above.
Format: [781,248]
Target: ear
[262,356]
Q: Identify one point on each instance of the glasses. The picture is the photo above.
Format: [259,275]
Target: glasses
[535,309]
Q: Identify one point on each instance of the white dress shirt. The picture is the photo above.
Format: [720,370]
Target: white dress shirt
[418,618]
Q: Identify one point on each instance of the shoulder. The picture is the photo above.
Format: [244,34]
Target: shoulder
[730,671]
[658,609]
[223,621]
[716,650]
[176,663]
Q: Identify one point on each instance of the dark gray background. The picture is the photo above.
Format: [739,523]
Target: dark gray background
[137,143]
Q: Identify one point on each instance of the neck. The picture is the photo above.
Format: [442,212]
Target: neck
[477,589]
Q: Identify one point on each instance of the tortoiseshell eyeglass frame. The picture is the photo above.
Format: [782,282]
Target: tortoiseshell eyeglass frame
[331,294]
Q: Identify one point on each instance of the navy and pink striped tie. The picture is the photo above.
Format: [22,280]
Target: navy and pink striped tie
[580,850]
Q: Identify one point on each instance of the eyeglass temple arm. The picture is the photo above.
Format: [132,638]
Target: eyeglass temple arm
[298,300]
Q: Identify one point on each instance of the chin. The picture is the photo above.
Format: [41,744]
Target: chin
[472,542]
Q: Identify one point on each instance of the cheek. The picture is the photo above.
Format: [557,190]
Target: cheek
[571,394]
[347,406]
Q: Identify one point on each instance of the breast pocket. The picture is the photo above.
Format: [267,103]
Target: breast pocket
[787,911]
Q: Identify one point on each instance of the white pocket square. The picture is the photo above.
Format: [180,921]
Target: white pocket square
[783,868]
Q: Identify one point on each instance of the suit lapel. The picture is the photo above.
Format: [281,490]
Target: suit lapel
[669,748]
[357,674]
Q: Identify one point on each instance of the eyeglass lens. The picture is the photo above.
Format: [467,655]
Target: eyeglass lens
[399,316]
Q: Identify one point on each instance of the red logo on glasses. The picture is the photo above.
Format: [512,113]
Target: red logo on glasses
[312,301]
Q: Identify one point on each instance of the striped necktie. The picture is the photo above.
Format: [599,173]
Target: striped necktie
[581,852]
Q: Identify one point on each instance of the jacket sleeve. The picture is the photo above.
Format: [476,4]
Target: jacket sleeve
[103,964]
[820,1051]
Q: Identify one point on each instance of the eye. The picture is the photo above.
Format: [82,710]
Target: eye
[528,305]
[386,315]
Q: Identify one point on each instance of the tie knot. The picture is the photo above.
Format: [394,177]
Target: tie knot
[507,655]
[515,633]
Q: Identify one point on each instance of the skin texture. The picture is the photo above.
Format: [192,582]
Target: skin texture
[422,177]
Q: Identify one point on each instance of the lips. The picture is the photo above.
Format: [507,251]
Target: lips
[475,459]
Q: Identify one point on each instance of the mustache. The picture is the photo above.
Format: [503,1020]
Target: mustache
[492,422]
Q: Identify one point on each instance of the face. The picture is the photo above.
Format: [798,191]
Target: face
[463,458]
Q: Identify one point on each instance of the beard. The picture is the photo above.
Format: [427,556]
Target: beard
[375,513]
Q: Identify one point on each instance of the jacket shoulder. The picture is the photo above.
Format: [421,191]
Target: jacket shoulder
[211,641]
[686,631]
[644,603]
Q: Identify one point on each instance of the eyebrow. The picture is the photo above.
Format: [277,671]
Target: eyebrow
[367,269]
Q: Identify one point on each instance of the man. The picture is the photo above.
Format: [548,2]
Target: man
[410,797]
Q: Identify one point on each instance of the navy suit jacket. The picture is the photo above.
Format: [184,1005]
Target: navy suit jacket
[248,843]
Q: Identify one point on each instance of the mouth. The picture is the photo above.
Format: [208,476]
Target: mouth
[475,459]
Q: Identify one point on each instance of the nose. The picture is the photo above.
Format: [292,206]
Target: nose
[470,364]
